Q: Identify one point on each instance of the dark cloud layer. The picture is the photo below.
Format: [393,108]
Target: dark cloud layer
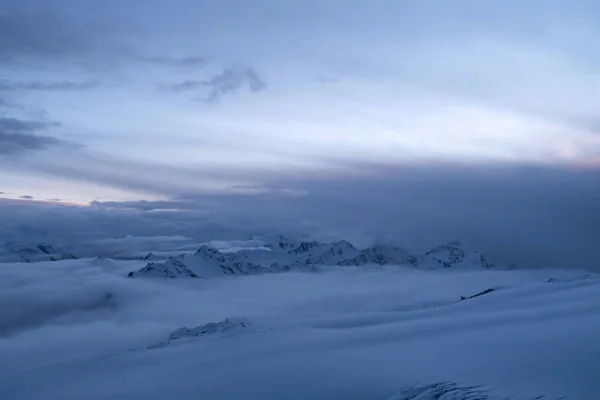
[168,61]
[229,80]
[185,86]
[47,86]
[73,36]
[40,34]
[17,136]
[535,217]
[16,125]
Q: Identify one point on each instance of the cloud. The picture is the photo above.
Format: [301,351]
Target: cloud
[149,178]
[27,197]
[326,79]
[590,123]
[74,35]
[6,104]
[231,80]
[79,227]
[268,189]
[169,61]
[536,217]
[132,246]
[17,136]
[41,34]
[47,86]
[61,320]
[185,86]
[144,205]
[533,216]
[227,81]
[17,125]
[46,306]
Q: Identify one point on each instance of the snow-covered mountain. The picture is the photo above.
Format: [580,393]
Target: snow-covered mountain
[32,252]
[382,255]
[456,253]
[283,254]
[172,268]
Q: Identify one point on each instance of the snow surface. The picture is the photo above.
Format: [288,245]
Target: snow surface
[79,329]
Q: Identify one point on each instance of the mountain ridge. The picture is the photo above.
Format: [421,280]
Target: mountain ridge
[283,254]
[33,252]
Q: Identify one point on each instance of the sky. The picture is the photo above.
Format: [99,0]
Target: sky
[412,120]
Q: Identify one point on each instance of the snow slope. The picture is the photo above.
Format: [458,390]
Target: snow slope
[345,333]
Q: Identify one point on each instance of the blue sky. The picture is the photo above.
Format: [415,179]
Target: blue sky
[145,99]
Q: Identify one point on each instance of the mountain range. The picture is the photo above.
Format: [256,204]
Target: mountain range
[32,252]
[280,253]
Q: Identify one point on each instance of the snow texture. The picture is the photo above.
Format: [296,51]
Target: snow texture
[449,391]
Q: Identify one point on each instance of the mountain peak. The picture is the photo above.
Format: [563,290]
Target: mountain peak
[305,246]
[172,268]
[456,252]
